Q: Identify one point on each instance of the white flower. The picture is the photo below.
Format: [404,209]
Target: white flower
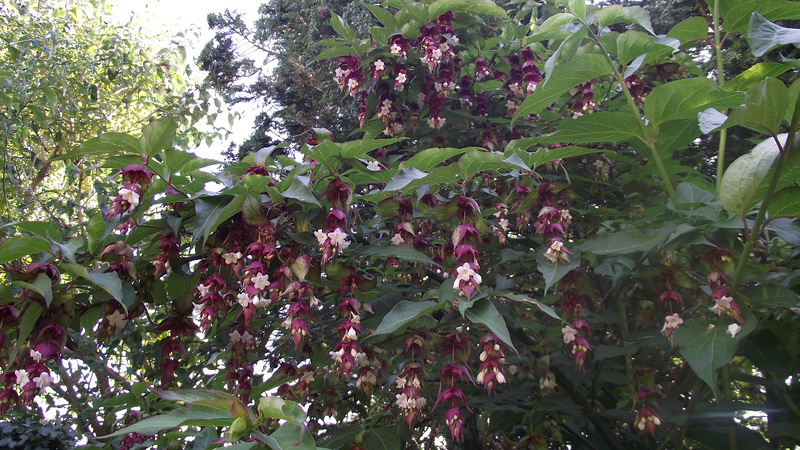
[337,355]
[403,401]
[231,258]
[401,78]
[321,236]
[504,224]
[258,301]
[374,166]
[466,273]
[243,299]
[722,305]
[351,334]
[43,380]
[569,334]
[339,239]
[36,356]
[546,384]
[287,323]
[672,321]
[396,50]
[261,281]
[379,65]
[313,301]
[131,197]
[361,359]
[397,239]
[203,289]
[235,336]
[401,382]
[734,329]
[308,376]
[368,378]
[247,338]
[352,84]
[117,320]
[22,377]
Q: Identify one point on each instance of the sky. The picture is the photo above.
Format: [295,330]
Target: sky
[172,16]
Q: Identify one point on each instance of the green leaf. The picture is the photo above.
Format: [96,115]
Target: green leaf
[552,27]
[403,252]
[692,193]
[360,148]
[480,161]
[277,408]
[745,181]
[191,415]
[401,315]
[633,44]
[578,8]
[107,281]
[201,397]
[334,52]
[44,285]
[16,247]
[429,158]
[26,323]
[51,96]
[785,203]
[68,250]
[212,211]
[764,35]
[691,29]
[764,109]
[158,135]
[43,229]
[755,74]
[525,299]
[439,7]
[683,99]
[383,15]
[288,437]
[553,272]
[613,14]
[342,28]
[739,12]
[105,144]
[403,178]
[565,77]
[387,438]
[596,127]
[771,296]
[544,155]
[707,346]
[621,243]
[484,312]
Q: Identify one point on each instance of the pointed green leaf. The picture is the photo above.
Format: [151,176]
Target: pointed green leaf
[158,136]
[484,312]
[16,247]
[596,127]
[684,99]
[105,144]
[383,15]
[383,438]
[737,13]
[565,77]
[288,437]
[544,155]
[480,161]
[439,7]
[342,28]
[771,296]
[403,252]
[707,346]
[764,35]
[299,190]
[578,8]
[107,281]
[553,272]
[764,109]
[525,299]
[219,400]
[620,243]
[403,178]
[360,148]
[691,29]
[403,313]
[756,74]
[212,211]
[633,44]
[745,181]
[552,27]
[429,158]
[613,14]
[334,52]
[278,408]
[26,323]
[191,415]
[785,203]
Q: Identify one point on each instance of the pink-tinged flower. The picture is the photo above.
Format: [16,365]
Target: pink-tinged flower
[725,304]
[242,338]
[117,320]
[373,166]
[734,329]
[339,239]
[670,297]
[455,420]
[569,334]
[136,174]
[127,199]
[467,279]
[232,258]
[378,68]
[36,356]
[647,418]
[556,251]
[547,382]
[260,281]
[671,323]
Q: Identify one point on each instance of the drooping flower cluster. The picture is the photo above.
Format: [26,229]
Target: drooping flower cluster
[136,179]
[575,338]
[410,381]
[493,360]
[552,222]
[457,346]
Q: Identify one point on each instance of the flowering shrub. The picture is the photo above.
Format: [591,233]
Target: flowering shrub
[454,277]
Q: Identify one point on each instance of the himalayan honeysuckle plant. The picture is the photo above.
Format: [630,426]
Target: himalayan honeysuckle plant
[513,251]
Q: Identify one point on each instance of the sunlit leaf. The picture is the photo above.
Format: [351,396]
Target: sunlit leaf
[484,312]
[16,247]
[683,99]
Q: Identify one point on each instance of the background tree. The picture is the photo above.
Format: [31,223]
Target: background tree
[69,74]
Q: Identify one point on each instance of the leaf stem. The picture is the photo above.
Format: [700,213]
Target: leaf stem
[723,134]
[755,233]
[650,142]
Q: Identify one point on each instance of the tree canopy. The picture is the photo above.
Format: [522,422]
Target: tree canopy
[511,249]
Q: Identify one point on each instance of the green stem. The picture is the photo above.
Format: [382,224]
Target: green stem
[649,141]
[723,134]
[755,232]
[728,395]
